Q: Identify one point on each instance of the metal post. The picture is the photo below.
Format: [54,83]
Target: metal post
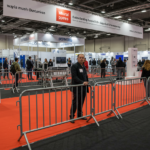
[74,52]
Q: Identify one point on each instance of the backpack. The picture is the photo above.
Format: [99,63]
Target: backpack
[12,69]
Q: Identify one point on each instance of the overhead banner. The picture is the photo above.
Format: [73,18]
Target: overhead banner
[28,9]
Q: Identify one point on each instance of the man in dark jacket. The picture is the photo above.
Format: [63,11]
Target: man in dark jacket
[29,68]
[94,62]
[5,66]
[50,63]
[120,68]
[79,76]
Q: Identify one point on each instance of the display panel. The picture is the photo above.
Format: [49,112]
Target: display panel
[61,60]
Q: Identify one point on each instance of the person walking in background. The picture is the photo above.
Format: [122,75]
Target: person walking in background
[79,76]
[5,66]
[86,64]
[146,73]
[69,63]
[29,68]
[50,63]
[103,65]
[16,68]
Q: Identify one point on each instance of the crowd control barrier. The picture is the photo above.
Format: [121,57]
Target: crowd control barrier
[130,91]
[28,79]
[47,107]
[53,107]
[7,82]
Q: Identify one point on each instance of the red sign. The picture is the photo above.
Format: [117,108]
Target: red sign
[63,15]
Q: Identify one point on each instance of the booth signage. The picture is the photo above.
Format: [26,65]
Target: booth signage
[65,39]
[33,10]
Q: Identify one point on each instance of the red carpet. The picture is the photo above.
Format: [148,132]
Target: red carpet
[9,116]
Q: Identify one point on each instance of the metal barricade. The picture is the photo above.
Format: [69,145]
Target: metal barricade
[56,75]
[6,83]
[129,92]
[104,98]
[28,79]
[66,104]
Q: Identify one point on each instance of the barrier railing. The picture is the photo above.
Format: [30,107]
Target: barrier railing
[52,75]
[129,92]
[54,108]
[104,98]
[28,79]
[6,83]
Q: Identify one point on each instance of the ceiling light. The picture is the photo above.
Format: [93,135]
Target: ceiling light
[147,29]
[103,11]
[129,19]
[84,32]
[77,32]
[70,3]
[52,26]
[108,34]
[117,17]
[13,33]
[2,20]
[47,32]
[143,10]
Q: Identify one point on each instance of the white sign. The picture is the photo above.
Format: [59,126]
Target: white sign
[33,10]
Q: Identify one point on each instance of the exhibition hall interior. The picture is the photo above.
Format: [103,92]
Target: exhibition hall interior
[74,74]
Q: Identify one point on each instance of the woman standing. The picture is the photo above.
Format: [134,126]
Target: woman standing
[146,73]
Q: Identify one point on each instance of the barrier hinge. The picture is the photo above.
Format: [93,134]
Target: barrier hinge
[18,126]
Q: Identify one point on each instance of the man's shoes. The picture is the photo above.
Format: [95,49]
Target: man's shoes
[32,79]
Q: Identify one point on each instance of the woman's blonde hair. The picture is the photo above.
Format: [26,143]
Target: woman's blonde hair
[147,65]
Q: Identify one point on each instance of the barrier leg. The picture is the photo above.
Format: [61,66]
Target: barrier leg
[119,113]
[94,120]
[112,111]
[146,100]
[27,141]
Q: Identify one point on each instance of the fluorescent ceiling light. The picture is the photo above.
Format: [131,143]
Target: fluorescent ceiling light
[117,17]
[147,29]
[108,34]
[143,10]
[2,20]
[103,11]
[129,19]
[84,32]
[70,3]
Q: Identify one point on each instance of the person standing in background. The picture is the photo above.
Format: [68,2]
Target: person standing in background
[17,68]
[5,66]
[50,63]
[69,63]
[113,65]
[79,76]
[86,64]
[94,62]
[103,65]
[29,68]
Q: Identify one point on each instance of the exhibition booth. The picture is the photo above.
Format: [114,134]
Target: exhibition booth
[56,43]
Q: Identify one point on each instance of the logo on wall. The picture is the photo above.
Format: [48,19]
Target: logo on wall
[63,15]
[65,39]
